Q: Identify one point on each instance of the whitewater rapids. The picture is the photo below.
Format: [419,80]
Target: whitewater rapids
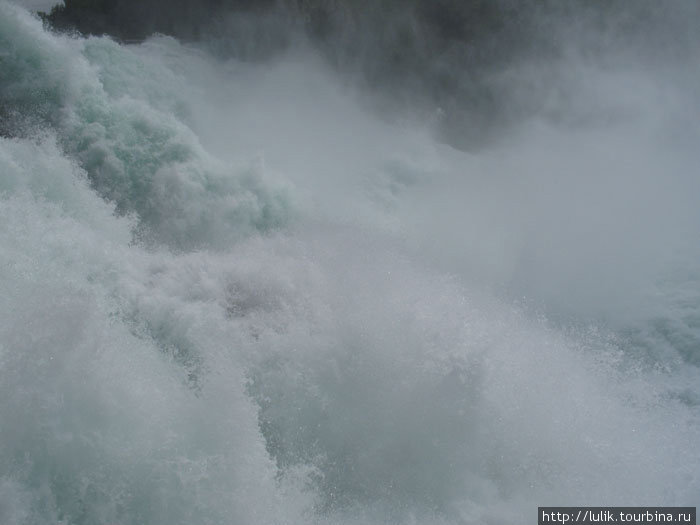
[231,294]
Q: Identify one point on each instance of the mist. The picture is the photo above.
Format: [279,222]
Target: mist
[580,204]
[342,263]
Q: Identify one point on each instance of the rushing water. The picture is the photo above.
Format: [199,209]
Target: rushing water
[230,293]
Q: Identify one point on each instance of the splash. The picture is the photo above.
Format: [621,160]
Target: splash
[229,293]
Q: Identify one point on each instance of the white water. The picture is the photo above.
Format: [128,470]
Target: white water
[229,293]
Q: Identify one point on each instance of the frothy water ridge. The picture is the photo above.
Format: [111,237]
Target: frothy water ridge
[230,294]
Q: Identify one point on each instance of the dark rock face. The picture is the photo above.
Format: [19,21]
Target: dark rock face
[136,20]
[420,53]
[450,20]
[394,36]
[410,48]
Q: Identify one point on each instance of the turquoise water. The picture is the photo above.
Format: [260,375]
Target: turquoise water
[232,293]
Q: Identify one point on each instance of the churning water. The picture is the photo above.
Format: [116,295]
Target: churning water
[232,294]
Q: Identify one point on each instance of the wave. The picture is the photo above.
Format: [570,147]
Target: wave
[230,293]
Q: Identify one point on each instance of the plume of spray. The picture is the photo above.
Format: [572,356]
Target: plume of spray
[234,291]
